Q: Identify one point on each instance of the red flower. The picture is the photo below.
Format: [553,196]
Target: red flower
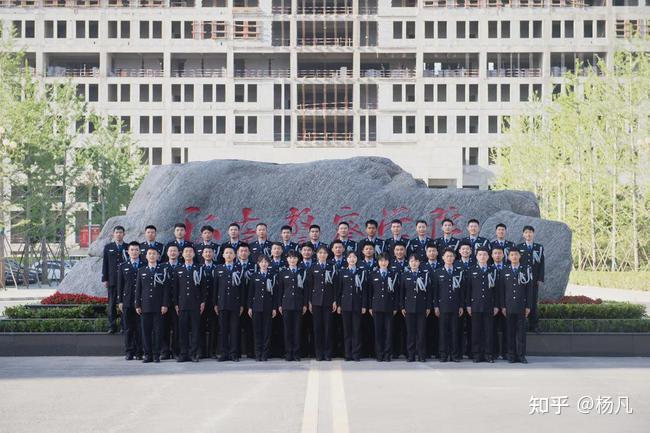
[579,299]
[73,298]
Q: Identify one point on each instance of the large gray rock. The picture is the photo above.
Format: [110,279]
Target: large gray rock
[222,191]
[553,235]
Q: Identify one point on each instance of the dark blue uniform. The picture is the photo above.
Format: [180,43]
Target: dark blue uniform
[229,293]
[321,294]
[291,246]
[292,298]
[351,298]
[152,293]
[188,297]
[209,318]
[377,242]
[126,281]
[261,287]
[258,248]
[478,242]
[180,244]
[448,297]
[419,247]
[533,257]
[198,248]
[113,256]
[416,298]
[481,297]
[144,246]
[383,294]
[170,343]
[443,243]
[516,288]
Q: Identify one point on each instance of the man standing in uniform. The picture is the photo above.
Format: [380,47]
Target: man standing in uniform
[170,344]
[418,245]
[209,317]
[190,303]
[447,240]
[287,244]
[473,239]
[291,300]
[113,256]
[207,236]
[343,232]
[150,241]
[229,295]
[179,241]
[448,299]
[126,281]
[516,302]
[532,255]
[262,245]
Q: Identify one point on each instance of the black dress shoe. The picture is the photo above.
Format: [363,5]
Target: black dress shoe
[166,356]
[223,358]
[156,359]
[476,360]
[489,359]
[195,358]
[380,359]
[182,359]
[129,357]
[138,357]
[235,358]
[523,360]
[147,360]
[111,331]
[288,358]
[328,358]
[456,359]
[347,358]
[511,360]
[409,359]
[296,358]
[443,359]
[357,359]
[265,358]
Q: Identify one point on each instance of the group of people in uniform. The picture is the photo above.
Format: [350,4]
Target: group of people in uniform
[418,297]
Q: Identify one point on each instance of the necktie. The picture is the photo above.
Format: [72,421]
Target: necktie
[322,266]
[483,269]
[514,270]
[294,270]
[229,268]
[135,266]
[449,271]
[530,247]
[188,267]
[151,270]
[263,275]
[383,274]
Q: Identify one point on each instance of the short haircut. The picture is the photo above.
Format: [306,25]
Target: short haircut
[497,247]
[172,246]
[371,222]
[227,247]
[179,225]
[431,245]
[396,221]
[278,244]
[384,256]
[150,226]
[260,224]
[134,244]
[399,244]
[473,220]
[188,246]
[501,225]
[323,248]
[151,247]
[292,253]
[446,220]
[420,222]
[308,245]
[514,250]
[286,227]
[343,223]
[487,250]
[531,228]
[243,245]
[351,253]
[336,241]
[449,250]
[464,244]
[118,228]
[263,258]
[208,228]
[314,226]
[367,243]
[414,256]
[234,225]
[208,247]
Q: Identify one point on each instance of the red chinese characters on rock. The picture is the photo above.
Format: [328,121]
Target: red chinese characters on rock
[300,219]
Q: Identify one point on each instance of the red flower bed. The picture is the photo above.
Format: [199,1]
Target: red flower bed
[580,299]
[73,298]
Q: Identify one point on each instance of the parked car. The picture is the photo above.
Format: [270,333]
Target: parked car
[13,269]
[53,269]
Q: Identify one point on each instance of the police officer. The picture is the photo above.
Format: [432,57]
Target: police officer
[209,327]
[262,245]
[286,243]
[114,255]
[351,300]
[500,240]
[372,238]
[314,238]
[482,303]
[229,292]
[277,259]
[416,300]
[500,341]
[397,238]
[246,268]
[150,232]
[532,255]
[233,238]
[337,248]
[151,301]
[261,306]
[179,241]
[207,240]
[516,287]
[170,343]
[418,245]
[447,240]
[343,233]
[448,298]
[339,253]
[397,266]
[466,262]
[473,239]
[190,299]
[383,293]
[322,303]
[291,301]
[367,262]
[126,281]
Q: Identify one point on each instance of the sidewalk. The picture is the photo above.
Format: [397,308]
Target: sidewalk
[13,296]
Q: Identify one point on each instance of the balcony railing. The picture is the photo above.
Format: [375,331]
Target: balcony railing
[65,71]
[325,136]
[262,73]
[367,10]
[325,73]
[281,10]
[466,4]
[388,73]
[451,73]
[559,71]
[200,73]
[324,10]
[325,42]
[515,72]
[135,72]
[339,105]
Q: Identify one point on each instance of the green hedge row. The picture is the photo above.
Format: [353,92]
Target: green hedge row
[76,312]
[594,325]
[606,310]
[53,325]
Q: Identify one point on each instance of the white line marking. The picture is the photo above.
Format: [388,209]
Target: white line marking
[310,414]
[339,407]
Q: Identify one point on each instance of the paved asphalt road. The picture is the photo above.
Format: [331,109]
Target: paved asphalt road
[96,394]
